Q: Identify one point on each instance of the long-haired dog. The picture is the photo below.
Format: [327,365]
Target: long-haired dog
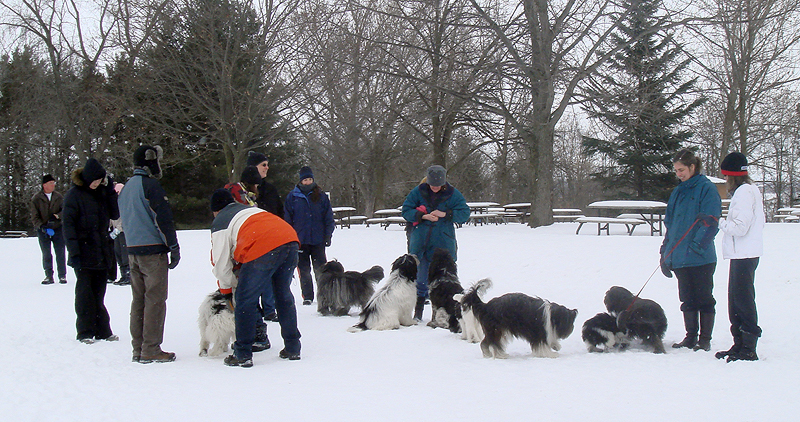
[471,329]
[443,283]
[540,322]
[637,318]
[216,324]
[339,290]
[392,305]
[602,330]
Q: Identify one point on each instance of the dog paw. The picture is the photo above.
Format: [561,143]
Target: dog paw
[203,353]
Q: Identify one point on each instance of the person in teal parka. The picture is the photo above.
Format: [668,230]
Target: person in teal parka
[688,249]
[432,208]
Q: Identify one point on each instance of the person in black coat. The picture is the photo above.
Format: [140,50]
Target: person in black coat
[268,198]
[88,208]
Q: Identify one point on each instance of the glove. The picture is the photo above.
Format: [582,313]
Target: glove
[174,257]
[74,261]
[50,232]
[697,248]
[327,241]
[665,270]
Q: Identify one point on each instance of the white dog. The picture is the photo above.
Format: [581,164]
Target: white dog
[216,324]
[392,305]
[471,329]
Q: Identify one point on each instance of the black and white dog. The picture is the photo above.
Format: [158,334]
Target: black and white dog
[339,290]
[540,322]
[637,318]
[217,325]
[471,329]
[443,283]
[392,305]
[602,330]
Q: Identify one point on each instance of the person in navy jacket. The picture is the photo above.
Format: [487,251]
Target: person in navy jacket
[308,210]
[688,250]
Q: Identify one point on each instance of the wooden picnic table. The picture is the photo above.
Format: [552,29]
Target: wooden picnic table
[651,212]
[342,214]
[481,207]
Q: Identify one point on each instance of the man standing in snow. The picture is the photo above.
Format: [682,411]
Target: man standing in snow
[254,251]
[152,251]
[46,218]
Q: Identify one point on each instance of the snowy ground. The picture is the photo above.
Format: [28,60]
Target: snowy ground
[415,373]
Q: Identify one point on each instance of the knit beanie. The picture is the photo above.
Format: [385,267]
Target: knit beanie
[47,178]
[305,173]
[734,164]
[436,176]
[220,199]
[146,157]
[255,158]
[92,171]
[251,175]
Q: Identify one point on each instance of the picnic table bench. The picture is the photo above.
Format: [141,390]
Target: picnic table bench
[385,222]
[13,233]
[604,223]
[561,215]
[351,219]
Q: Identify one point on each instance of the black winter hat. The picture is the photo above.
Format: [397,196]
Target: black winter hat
[147,157]
[220,199]
[436,176]
[305,173]
[255,158]
[47,178]
[251,175]
[92,171]
[734,164]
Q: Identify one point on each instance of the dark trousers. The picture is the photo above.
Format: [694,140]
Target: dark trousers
[90,292]
[696,288]
[149,286]
[275,267]
[742,297]
[121,251]
[307,255]
[57,242]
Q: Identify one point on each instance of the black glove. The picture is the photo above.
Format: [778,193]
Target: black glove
[74,262]
[697,248]
[327,241]
[665,270]
[174,256]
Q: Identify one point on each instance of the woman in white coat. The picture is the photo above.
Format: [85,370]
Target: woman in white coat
[743,244]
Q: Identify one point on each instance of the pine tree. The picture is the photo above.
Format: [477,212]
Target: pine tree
[640,99]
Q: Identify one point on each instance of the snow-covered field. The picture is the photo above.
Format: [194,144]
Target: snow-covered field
[415,373]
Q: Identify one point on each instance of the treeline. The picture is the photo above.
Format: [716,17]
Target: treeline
[554,103]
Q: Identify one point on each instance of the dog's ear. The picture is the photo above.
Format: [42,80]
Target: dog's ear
[458,296]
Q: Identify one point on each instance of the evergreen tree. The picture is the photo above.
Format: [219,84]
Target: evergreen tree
[640,99]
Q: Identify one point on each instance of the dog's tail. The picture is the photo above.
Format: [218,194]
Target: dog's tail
[374,274]
[481,286]
[361,326]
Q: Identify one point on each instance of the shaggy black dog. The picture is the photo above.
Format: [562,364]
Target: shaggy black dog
[602,329]
[540,322]
[338,290]
[637,318]
[443,282]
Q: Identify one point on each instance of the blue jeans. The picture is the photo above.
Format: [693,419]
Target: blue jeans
[275,267]
[47,256]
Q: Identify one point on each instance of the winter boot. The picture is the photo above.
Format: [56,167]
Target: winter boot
[261,342]
[418,308]
[124,278]
[737,345]
[706,327]
[48,280]
[690,321]
[748,350]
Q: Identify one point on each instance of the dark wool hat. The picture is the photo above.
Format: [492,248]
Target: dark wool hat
[255,158]
[436,176]
[734,164]
[251,175]
[305,173]
[220,199]
[47,178]
[146,157]
[92,171]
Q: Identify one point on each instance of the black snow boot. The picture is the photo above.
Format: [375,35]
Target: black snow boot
[737,345]
[690,321]
[124,277]
[748,350]
[418,308]
[706,327]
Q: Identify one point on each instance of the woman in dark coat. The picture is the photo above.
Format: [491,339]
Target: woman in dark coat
[309,211]
[688,249]
[88,208]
